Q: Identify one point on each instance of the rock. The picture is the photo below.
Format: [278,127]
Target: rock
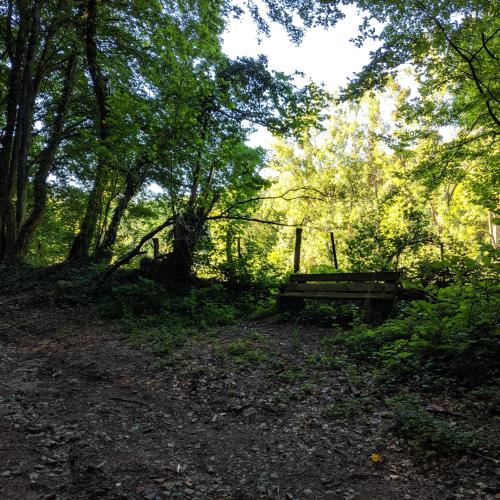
[248,412]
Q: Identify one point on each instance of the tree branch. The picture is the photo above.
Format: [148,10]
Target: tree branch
[280,196]
[468,60]
[135,251]
[249,219]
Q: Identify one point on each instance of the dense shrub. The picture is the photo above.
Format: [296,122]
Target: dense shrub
[454,336]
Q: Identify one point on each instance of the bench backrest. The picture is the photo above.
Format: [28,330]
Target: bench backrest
[386,277]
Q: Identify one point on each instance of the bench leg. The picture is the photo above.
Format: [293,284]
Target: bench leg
[289,304]
[377,310]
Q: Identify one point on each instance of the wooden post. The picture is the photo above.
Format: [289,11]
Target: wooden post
[156,248]
[334,251]
[239,247]
[298,243]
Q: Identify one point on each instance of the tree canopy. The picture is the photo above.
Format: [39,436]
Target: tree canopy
[125,118]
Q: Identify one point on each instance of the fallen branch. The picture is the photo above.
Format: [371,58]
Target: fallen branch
[135,251]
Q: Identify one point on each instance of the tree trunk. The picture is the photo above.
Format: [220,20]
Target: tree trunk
[83,240]
[45,163]
[16,138]
[187,231]
[25,118]
[134,181]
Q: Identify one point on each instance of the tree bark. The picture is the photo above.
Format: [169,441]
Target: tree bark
[83,240]
[25,117]
[7,165]
[134,181]
[186,232]
[45,163]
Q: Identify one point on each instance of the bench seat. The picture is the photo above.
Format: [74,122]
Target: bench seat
[377,290]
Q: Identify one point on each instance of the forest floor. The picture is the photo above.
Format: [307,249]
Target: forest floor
[245,411]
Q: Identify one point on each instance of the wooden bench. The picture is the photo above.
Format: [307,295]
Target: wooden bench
[376,290]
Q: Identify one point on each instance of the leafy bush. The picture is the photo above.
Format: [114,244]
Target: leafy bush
[206,306]
[133,299]
[162,333]
[344,409]
[165,318]
[454,337]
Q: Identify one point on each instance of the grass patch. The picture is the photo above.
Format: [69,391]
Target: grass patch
[325,361]
[343,409]
[245,352]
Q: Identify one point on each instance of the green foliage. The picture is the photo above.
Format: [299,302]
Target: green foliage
[325,361]
[453,337]
[342,409]
[291,375]
[134,299]
[162,333]
[164,318]
[431,435]
[308,389]
[208,305]
[487,395]
[245,352]
[374,247]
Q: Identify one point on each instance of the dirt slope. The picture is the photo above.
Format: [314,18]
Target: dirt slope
[240,414]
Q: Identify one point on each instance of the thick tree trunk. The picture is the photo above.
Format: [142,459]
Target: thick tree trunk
[187,232]
[18,115]
[25,118]
[81,245]
[45,162]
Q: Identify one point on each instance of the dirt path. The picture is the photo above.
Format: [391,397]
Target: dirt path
[240,414]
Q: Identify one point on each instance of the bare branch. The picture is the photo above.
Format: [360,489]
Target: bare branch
[135,251]
[281,196]
[250,219]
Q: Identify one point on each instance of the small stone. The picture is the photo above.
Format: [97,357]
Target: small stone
[307,492]
[248,412]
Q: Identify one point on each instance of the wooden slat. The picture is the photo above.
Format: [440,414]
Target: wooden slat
[340,287]
[380,276]
[340,295]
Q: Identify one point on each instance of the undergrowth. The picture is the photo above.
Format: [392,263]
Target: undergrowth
[431,435]
[164,318]
[453,338]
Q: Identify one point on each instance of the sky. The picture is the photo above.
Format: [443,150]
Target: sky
[324,56]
